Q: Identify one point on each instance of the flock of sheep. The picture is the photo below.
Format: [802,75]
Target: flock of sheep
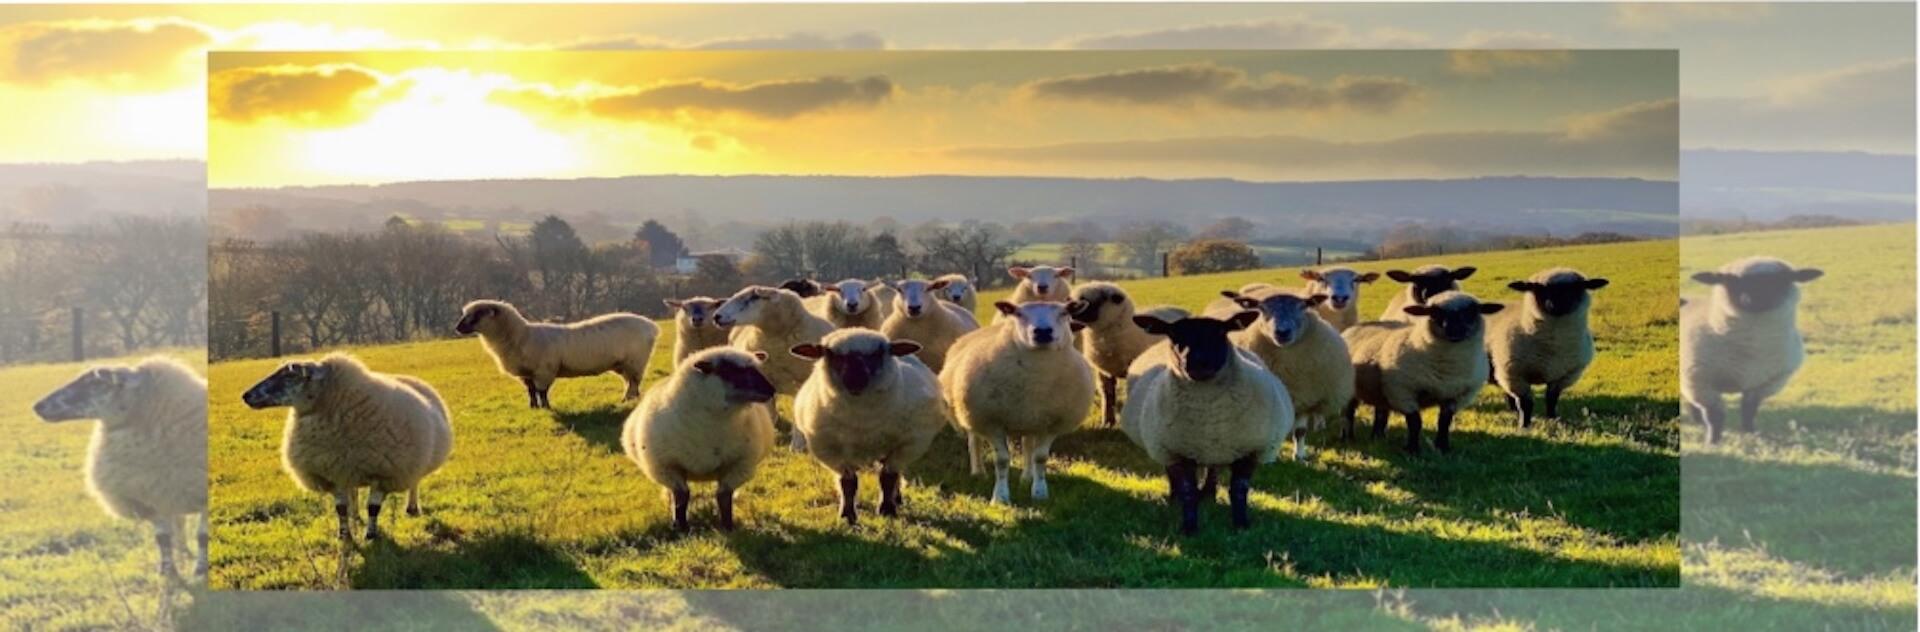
[877,370]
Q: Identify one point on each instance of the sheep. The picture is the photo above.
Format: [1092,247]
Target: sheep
[1041,283]
[771,321]
[1741,340]
[959,290]
[933,323]
[883,295]
[1111,341]
[1023,379]
[868,401]
[711,421]
[1439,359]
[1545,341]
[1422,285]
[147,459]
[539,353]
[1342,287]
[693,326]
[850,303]
[1198,401]
[351,427]
[1304,351]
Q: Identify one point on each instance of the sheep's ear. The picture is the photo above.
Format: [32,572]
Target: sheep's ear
[1017,272]
[1230,294]
[1461,274]
[1596,283]
[704,367]
[1417,310]
[1804,275]
[1076,306]
[1076,326]
[1317,299]
[1152,325]
[808,351]
[1492,308]
[1367,277]
[1523,286]
[1400,275]
[1245,302]
[1310,274]
[1006,308]
[671,304]
[1241,320]
[1064,273]
[903,347]
[1712,278]
[938,284]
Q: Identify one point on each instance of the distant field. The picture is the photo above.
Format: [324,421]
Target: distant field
[1053,254]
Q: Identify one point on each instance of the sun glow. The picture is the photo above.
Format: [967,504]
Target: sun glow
[443,128]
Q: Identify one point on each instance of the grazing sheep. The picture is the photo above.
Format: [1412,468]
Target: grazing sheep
[1022,380]
[1305,352]
[1439,359]
[1197,401]
[933,323]
[711,421]
[805,288]
[1423,284]
[539,353]
[959,290]
[851,303]
[1546,341]
[1342,287]
[771,321]
[693,326]
[148,456]
[1111,341]
[868,401]
[1742,340]
[1041,283]
[351,427]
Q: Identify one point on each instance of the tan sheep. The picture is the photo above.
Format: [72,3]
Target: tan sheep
[1423,283]
[711,421]
[693,326]
[933,323]
[1742,340]
[851,303]
[1305,352]
[1342,287]
[539,353]
[1545,341]
[959,289]
[771,321]
[1041,283]
[147,459]
[1111,340]
[1022,380]
[869,401]
[1438,360]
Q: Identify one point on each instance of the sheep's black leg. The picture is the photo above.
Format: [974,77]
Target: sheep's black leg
[374,498]
[1109,398]
[343,508]
[1413,432]
[1209,483]
[1180,477]
[680,497]
[533,393]
[889,492]
[1445,430]
[413,500]
[723,500]
[1524,398]
[849,493]
[1553,400]
[163,540]
[1353,407]
[1749,409]
[1239,484]
[204,535]
[1713,414]
[545,402]
[1379,422]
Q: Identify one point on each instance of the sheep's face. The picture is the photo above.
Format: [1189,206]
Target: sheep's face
[1430,281]
[917,296]
[852,296]
[806,288]
[698,310]
[1453,316]
[1286,315]
[1043,278]
[856,361]
[478,316]
[1098,298]
[1201,349]
[1042,324]
[956,290]
[1341,285]
[745,307]
[293,384]
[1759,288]
[736,373]
[97,393]
[1559,295]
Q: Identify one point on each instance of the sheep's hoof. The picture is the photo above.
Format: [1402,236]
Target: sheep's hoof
[1039,491]
[413,510]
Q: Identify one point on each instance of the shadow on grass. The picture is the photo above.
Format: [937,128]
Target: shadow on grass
[456,560]
[1833,517]
[994,610]
[332,611]
[599,426]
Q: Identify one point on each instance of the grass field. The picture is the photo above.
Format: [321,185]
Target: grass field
[547,500]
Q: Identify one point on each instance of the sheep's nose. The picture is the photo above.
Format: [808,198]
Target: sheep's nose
[913,310]
[1043,335]
[1042,287]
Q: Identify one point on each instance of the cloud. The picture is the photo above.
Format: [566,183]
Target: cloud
[1287,32]
[1860,107]
[1484,52]
[317,96]
[146,54]
[771,100]
[1645,120]
[862,40]
[1198,85]
[1664,16]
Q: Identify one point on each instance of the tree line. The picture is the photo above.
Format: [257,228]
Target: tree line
[138,283]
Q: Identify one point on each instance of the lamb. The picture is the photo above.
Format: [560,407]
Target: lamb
[959,290]
[1342,287]
[1439,359]
[1041,283]
[1546,341]
[1741,340]
[1022,379]
[851,303]
[933,323]
[1306,353]
[1422,285]
[351,427]
[868,401]
[711,421]
[1197,401]
[539,353]
[148,456]
[771,321]
[693,326]
[1111,341]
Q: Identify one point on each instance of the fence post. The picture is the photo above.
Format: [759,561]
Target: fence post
[79,335]
[276,334]
[1165,269]
[1074,262]
[1319,256]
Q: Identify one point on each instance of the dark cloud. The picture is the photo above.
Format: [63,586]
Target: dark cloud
[767,100]
[1209,85]
[139,54]
[863,40]
[311,95]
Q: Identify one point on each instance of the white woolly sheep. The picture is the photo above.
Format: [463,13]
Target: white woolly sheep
[1545,341]
[868,401]
[1438,360]
[1423,283]
[850,303]
[1342,287]
[693,326]
[711,421]
[771,321]
[1041,283]
[148,457]
[1020,380]
[351,427]
[1742,340]
[1305,352]
[1196,401]
[933,323]
[539,353]
[959,290]
[1111,340]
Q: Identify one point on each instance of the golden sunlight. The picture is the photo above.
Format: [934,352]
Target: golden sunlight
[443,128]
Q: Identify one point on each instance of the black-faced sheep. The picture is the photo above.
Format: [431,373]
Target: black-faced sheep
[1743,340]
[539,353]
[1111,340]
[693,326]
[933,323]
[1022,379]
[1299,348]
[1342,287]
[1423,283]
[869,401]
[1438,360]
[771,321]
[711,421]
[1545,341]
[148,457]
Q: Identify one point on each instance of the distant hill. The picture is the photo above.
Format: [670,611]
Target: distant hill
[67,194]
[1769,185]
